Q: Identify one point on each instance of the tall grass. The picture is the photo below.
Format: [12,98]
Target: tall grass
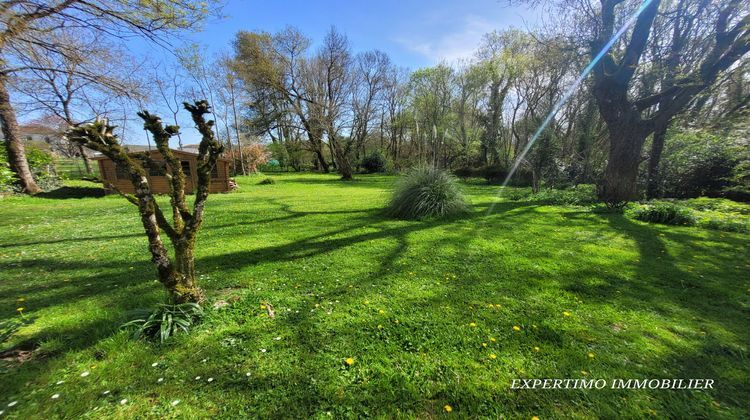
[426,193]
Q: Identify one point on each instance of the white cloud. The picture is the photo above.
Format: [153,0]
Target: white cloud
[451,45]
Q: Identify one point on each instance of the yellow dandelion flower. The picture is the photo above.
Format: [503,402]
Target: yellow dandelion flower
[349,361]
[381,312]
[493,356]
[447,408]
[472,324]
[591,355]
[516,328]
[566,313]
[535,418]
[492,339]
[536,348]
[20,309]
[583,372]
[380,327]
[484,344]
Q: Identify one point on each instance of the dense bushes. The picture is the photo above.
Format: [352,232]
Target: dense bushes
[696,163]
[709,213]
[667,213]
[375,162]
[425,193]
[42,165]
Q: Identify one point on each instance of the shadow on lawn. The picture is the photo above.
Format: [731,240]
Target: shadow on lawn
[64,193]
[651,289]
[658,283]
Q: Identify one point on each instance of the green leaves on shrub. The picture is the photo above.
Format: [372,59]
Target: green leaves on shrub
[165,321]
[667,213]
[709,213]
[267,181]
[374,162]
[426,193]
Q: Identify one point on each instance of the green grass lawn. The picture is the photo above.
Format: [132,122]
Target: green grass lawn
[433,313]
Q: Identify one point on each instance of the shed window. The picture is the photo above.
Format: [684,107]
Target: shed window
[215,171]
[121,172]
[157,168]
[185,167]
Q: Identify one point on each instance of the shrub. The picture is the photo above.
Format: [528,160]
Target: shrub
[425,193]
[165,321]
[579,195]
[663,212]
[375,162]
[42,165]
[267,181]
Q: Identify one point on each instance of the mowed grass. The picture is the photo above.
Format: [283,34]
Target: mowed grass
[426,310]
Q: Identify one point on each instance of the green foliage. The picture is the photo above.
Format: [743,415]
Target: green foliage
[705,212]
[42,166]
[664,212]
[267,181]
[165,321]
[425,193]
[697,163]
[375,162]
[7,177]
[717,204]
[579,195]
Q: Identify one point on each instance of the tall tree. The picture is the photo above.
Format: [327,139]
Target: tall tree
[631,114]
[31,28]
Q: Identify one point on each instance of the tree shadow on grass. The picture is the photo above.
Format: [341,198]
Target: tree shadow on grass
[66,192]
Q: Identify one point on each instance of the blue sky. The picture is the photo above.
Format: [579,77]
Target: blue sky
[414,33]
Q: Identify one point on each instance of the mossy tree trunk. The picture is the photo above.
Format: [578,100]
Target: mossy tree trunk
[177,276]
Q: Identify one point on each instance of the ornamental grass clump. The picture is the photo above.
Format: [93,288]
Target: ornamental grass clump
[427,193]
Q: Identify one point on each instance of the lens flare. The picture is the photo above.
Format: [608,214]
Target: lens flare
[566,96]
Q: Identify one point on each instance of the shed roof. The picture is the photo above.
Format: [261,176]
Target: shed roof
[175,151]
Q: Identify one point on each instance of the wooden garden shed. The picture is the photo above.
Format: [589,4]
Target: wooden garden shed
[157,176]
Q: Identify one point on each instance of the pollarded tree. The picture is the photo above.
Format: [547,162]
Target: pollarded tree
[177,276]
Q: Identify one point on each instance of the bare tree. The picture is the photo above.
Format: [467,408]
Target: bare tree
[31,28]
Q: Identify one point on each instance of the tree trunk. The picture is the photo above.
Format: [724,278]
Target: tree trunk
[620,177]
[86,162]
[185,289]
[657,147]
[13,142]
[343,164]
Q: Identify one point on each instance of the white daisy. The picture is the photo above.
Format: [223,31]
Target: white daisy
[197,378]
[12,403]
[175,402]
[123,401]
[56,396]
[262,350]
[160,380]
[105,392]
[59,382]
[85,374]
[210,379]
[155,364]
[247,374]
